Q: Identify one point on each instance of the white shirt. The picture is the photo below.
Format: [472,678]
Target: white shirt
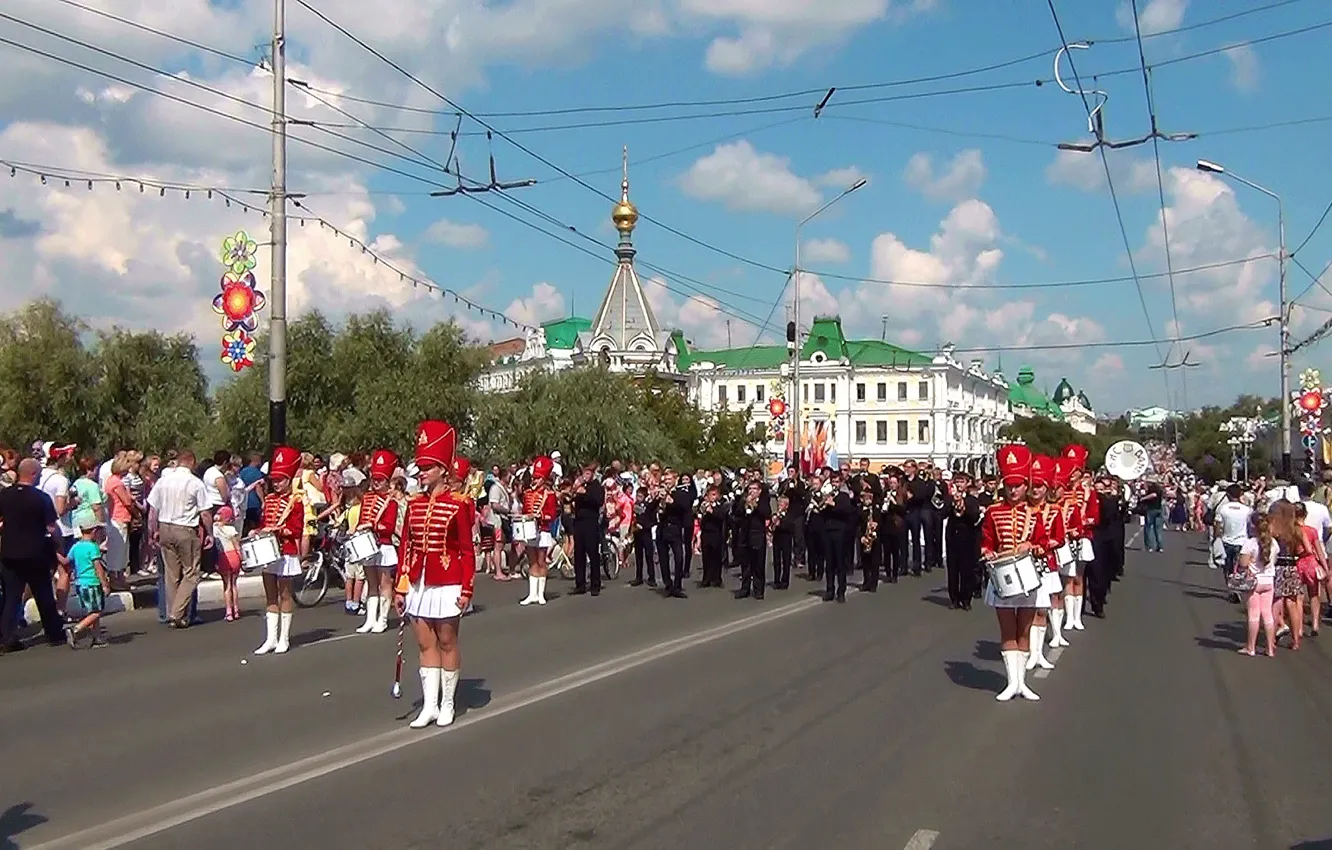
[212,475]
[1318,518]
[54,484]
[178,497]
[103,473]
[1264,571]
[1234,520]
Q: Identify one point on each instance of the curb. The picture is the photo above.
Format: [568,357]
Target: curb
[210,594]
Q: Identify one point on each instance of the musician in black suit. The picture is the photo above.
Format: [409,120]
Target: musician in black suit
[1106,543]
[963,548]
[753,510]
[712,536]
[677,511]
[783,526]
[867,536]
[796,491]
[919,490]
[985,498]
[589,499]
[839,526]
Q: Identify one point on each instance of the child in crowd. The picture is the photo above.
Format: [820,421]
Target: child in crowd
[228,543]
[85,561]
[351,520]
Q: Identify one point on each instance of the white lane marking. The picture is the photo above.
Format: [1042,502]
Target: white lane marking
[1053,656]
[137,826]
[1132,538]
[923,840]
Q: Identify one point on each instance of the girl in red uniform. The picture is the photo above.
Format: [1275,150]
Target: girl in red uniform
[282,515]
[539,502]
[381,513]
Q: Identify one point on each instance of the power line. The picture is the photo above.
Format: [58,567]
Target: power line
[1070,346]
[161,34]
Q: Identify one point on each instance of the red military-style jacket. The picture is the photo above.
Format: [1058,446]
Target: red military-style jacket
[1089,506]
[286,513]
[542,505]
[1051,522]
[437,542]
[1006,526]
[382,514]
[1070,507]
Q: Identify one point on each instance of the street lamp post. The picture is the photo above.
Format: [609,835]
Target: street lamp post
[795,282]
[1214,168]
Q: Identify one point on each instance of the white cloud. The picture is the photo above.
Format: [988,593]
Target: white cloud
[778,32]
[825,251]
[457,235]
[1108,365]
[704,321]
[1086,172]
[1154,17]
[746,180]
[545,303]
[842,178]
[1244,70]
[961,179]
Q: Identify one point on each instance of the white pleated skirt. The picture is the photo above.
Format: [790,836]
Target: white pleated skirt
[434,603]
[1050,585]
[1070,570]
[387,557]
[285,567]
[1026,600]
[1086,551]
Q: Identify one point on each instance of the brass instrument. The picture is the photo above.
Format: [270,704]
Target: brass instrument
[871,534]
[475,484]
[751,502]
[775,521]
[937,499]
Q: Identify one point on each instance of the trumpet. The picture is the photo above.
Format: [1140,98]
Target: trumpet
[776,520]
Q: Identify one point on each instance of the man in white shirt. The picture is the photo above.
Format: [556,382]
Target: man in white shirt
[179,509]
[55,484]
[1316,513]
[557,471]
[1232,524]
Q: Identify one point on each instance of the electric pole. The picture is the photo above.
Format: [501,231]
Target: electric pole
[277,289]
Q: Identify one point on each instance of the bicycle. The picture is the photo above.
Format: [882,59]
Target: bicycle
[324,563]
[615,552]
[557,562]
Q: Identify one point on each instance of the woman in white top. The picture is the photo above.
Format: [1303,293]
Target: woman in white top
[1258,556]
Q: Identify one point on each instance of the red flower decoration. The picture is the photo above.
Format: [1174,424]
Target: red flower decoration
[777,407]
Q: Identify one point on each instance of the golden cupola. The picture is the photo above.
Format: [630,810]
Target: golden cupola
[625,214]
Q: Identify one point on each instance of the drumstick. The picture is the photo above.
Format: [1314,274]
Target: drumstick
[397,671]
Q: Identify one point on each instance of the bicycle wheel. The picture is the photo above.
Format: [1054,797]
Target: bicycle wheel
[566,565]
[610,562]
[311,585]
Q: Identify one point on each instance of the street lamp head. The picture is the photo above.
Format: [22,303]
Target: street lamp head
[1210,167]
[857,185]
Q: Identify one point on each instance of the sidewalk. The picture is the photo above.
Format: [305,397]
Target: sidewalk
[143,594]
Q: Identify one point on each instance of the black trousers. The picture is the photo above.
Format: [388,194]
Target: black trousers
[932,521]
[670,544]
[783,546]
[798,542]
[814,551]
[35,575]
[961,569]
[755,572]
[1101,570]
[869,566]
[837,558]
[915,524]
[587,552]
[644,555]
[689,550]
[894,544]
[712,548]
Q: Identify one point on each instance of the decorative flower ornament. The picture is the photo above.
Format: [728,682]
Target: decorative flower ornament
[237,349]
[238,253]
[238,302]
[1311,379]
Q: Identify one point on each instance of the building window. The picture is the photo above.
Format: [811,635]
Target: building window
[860,392]
[901,391]
[883,392]
[758,393]
[804,393]
[860,432]
[923,431]
[881,431]
[740,393]
[832,393]
[901,430]
[818,393]
[924,390]
[721,395]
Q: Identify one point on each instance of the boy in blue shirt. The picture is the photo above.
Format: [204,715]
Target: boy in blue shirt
[85,559]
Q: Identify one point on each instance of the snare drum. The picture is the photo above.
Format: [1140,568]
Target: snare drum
[360,547]
[525,529]
[259,551]
[1064,555]
[1085,550]
[1013,576]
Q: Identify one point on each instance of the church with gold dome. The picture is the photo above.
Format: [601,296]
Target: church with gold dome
[624,335]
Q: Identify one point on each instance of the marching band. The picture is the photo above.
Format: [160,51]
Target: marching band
[1025,549]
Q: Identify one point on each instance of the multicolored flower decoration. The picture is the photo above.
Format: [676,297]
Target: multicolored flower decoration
[777,410]
[237,349]
[239,300]
[1309,403]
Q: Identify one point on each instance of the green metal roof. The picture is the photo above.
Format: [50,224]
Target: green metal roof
[750,357]
[825,336]
[563,333]
[1023,393]
[872,352]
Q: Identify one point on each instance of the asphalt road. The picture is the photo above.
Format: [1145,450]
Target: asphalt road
[631,721]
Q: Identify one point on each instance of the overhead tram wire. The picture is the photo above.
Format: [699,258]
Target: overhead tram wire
[1114,196]
[1072,346]
[1160,191]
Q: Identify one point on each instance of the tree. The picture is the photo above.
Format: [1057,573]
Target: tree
[151,390]
[48,376]
[1045,436]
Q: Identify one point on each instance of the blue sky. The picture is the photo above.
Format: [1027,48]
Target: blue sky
[988,203]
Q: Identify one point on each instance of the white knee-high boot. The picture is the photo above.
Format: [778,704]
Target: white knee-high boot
[541,590]
[1071,611]
[430,695]
[381,624]
[371,615]
[270,632]
[1013,662]
[449,682]
[1024,691]
[533,585]
[1036,658]
[1077,612]
[1057,626]
[284,633]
